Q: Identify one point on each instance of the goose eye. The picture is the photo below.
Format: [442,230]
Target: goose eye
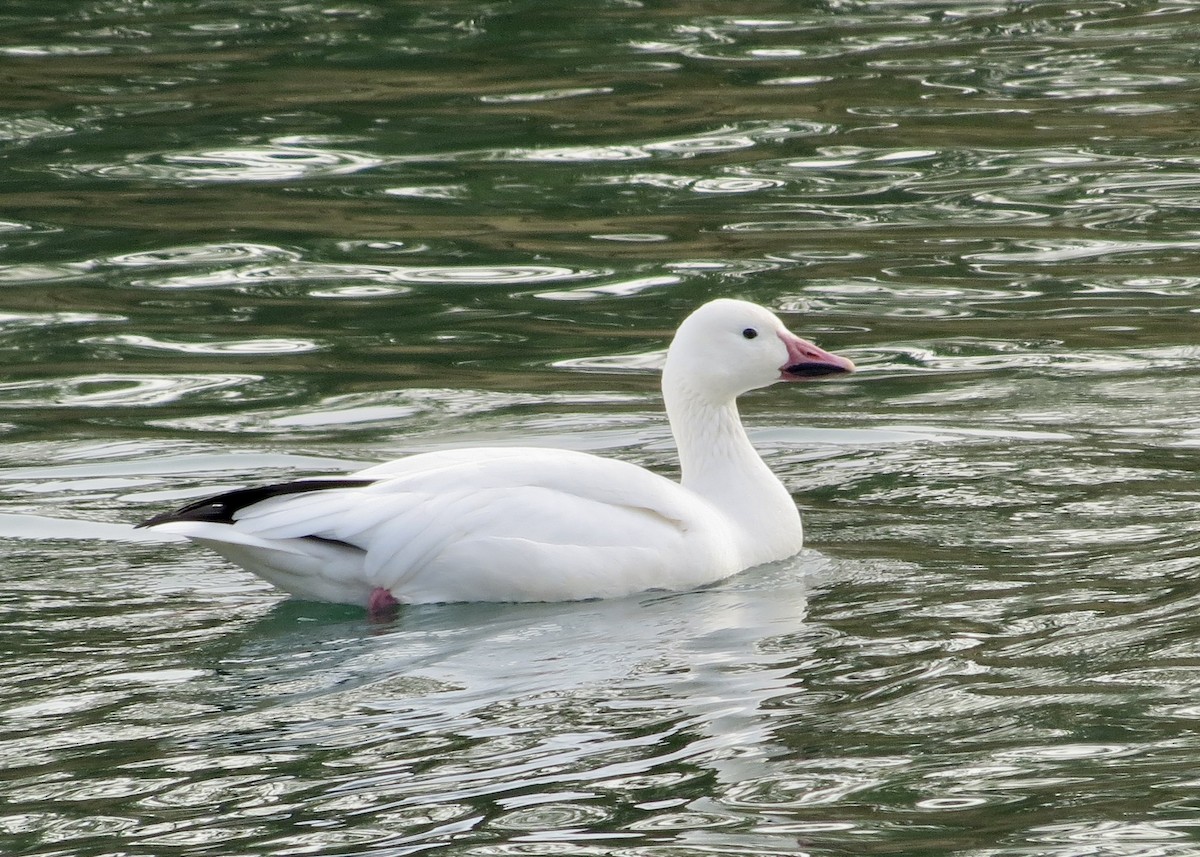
[749,333]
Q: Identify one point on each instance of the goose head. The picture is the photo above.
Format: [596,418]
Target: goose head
[729,347]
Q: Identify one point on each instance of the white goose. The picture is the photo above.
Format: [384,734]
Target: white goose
[531,524]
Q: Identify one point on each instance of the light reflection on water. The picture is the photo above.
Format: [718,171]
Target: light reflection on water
[247,242]
[233,165]
[115,391]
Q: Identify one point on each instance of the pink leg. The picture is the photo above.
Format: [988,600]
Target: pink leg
[381,603]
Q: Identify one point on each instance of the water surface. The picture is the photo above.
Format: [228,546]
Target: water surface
[256,241]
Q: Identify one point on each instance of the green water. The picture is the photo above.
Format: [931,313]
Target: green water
[256,240]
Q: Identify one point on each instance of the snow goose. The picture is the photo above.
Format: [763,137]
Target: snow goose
[533,524]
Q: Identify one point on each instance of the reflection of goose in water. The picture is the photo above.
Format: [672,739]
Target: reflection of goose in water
[525,524]
[545,702]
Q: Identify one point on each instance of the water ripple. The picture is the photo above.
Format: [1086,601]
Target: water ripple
[1097,82]
[269,163]
[961,299]
[380,279]
[743,184]
[448,191]
[216,347]
[121,390]
[55,50]
[970,355]
[623,288]
[1165,838]
[494,275]
[22,129]
[418,408]
[571,154]
[545,95]
[267,275]
[199,254]
[796,80]
[802,219]
[44,273]
[1047,252]
[720,140]
[546,817]
[649,361]
[10,321]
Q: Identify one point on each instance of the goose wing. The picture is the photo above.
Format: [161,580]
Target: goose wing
[509,524]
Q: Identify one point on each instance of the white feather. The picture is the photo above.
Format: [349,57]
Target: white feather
[533,524]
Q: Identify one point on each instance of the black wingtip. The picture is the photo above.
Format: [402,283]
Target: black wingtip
[220,508]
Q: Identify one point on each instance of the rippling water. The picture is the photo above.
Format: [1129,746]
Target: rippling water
[256,240]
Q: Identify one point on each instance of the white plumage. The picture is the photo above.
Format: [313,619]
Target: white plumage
[533,524]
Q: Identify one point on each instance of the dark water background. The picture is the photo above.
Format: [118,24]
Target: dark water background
[253,240]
